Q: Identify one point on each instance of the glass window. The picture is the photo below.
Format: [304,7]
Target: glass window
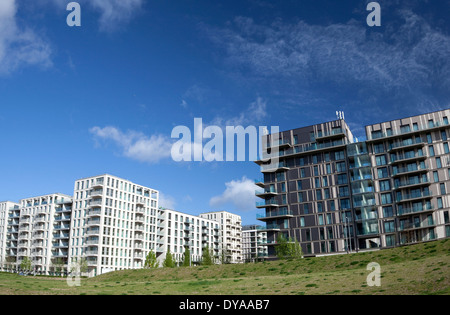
[382,172]
[438,162]
[431,150]
[442,187]
[385,185]
[439,202]
[386,198]
[380,160]
[388,212]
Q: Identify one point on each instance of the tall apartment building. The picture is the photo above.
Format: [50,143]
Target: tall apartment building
[114,223]
[254,238]
[335,194]
[9,229]
[230,234]
[178,231]
[37,229]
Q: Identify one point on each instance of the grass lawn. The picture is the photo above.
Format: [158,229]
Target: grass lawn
[415,269]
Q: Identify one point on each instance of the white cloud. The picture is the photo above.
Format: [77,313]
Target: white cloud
[19,46]
[136,145]
[115,12]
[166,201]
[239,193]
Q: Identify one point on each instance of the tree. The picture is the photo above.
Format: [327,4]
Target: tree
[168,261]
[287,248]
[207,257]
[25,264]
[151,261]
[186,257]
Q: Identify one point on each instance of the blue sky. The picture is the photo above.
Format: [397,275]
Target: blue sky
[104,97]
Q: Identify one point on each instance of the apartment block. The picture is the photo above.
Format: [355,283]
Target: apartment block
[35,231]
[230,234]
[178,231]
[9,229]
[334,193]
[254,238]
[114,223]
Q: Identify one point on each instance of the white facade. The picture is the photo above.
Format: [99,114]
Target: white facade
[253,236]
[9,228]
[177,230]
[230,234]
[113,224]
[36,233]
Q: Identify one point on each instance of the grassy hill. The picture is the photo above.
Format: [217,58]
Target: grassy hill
[415,269]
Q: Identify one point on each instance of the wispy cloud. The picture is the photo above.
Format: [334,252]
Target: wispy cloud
[113,13]
[19,45]
[240,194]
[136,145]
[403,63]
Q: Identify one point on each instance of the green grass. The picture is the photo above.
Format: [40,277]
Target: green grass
[415,269]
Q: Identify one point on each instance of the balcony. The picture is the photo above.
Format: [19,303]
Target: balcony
[267,203]
[281,143]
[335,133]
[399,171]
[95,193]
[407,157]
[95,203]
[408,225]
[397,132]
[274,167]
[412,182]
[259,182]
[265,193]
[407,144]
[275,215]
[95,212]
[403,211]
[414,196]
[93,222]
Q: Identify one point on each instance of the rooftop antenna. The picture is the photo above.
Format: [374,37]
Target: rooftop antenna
[340,115]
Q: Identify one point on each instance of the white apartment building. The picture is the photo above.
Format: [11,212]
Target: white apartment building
[177,231]
[9,229]
[109,224]
[253,236]
[35,231]
[230,234]
[113,223]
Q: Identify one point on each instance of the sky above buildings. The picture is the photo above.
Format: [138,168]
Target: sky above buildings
[104,97]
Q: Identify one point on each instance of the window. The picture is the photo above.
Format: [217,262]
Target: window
[302,221]
[380,160]
[339,155]
[443,135]
[415,127]
[429,140]
[386,198]
[435,176]
[389,226]
[324,181]
[382,172]
[404,129]
[343,191]
[318,194]
[378,148]
[340,167]
[438,162]
[385,185]
[390,240]
[299,185]
[316,170]
[446,149]
[439,202]
[345,203]
[430,123]
[320,219]
[342,179]
[431,150]
[388,212]
[442,187]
